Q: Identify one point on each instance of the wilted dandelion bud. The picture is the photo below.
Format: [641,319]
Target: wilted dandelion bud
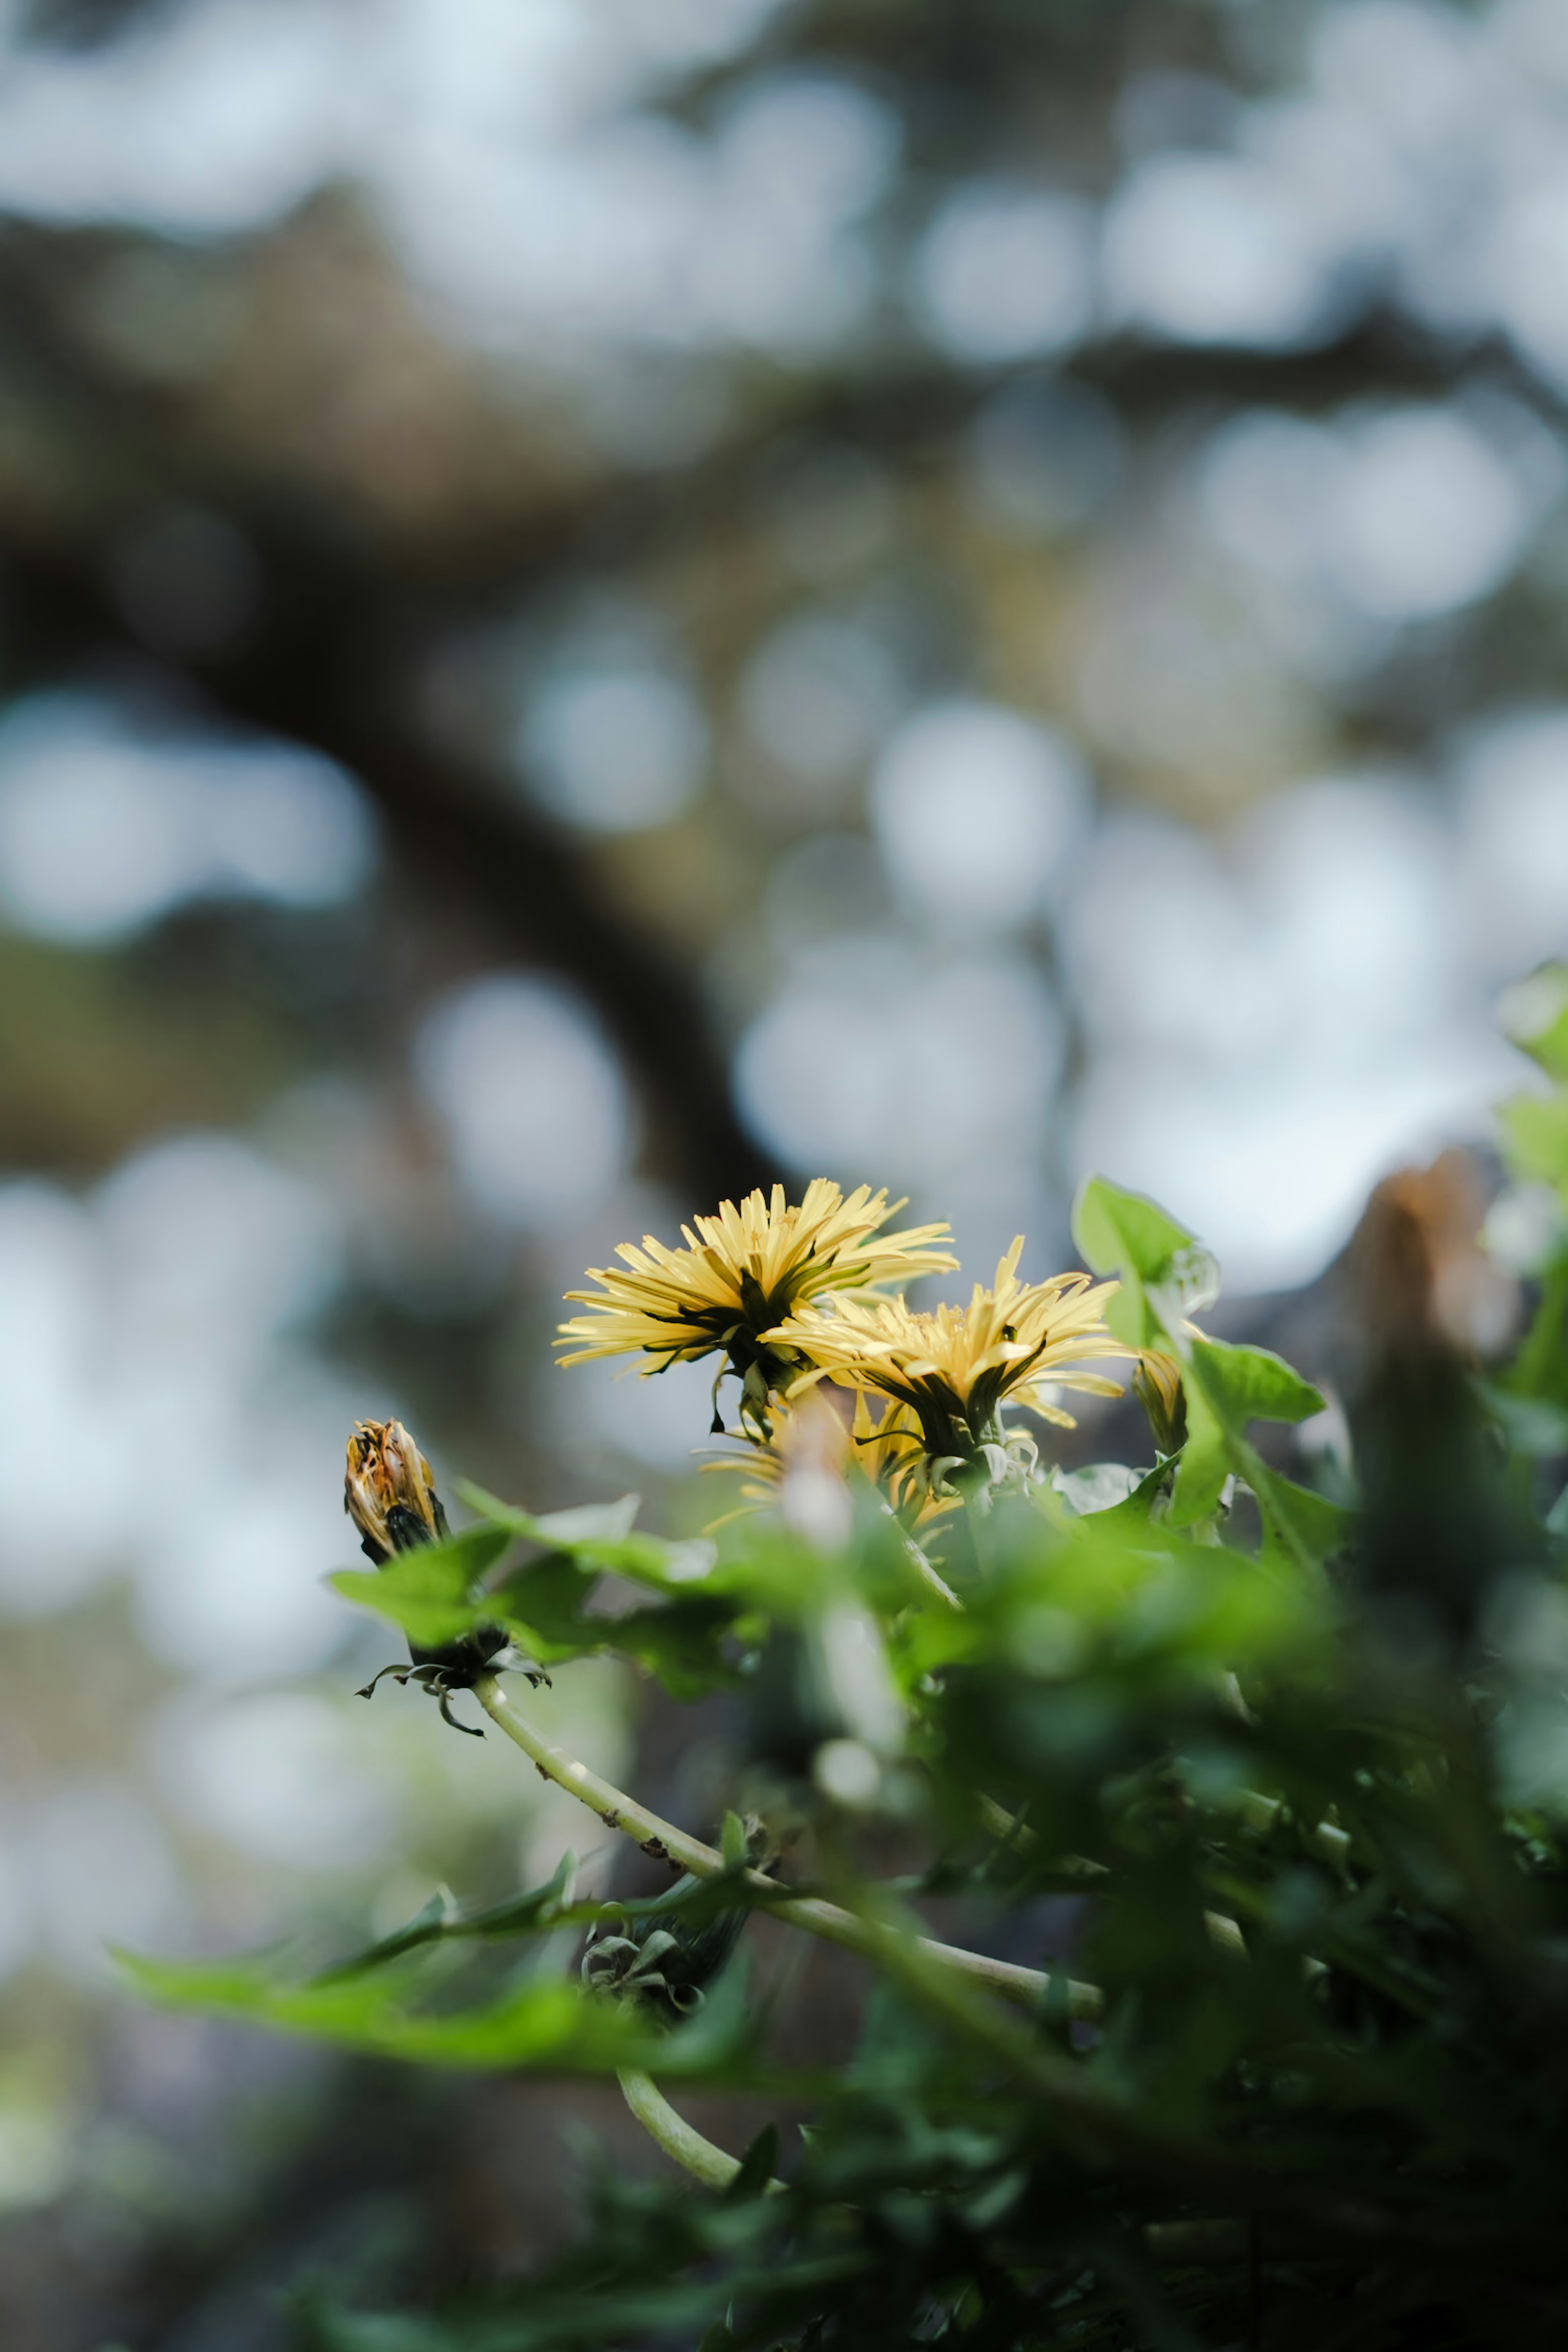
[388,1492]
[388,1495]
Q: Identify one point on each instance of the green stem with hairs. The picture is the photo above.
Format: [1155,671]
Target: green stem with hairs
[666,1842]
[928,1575]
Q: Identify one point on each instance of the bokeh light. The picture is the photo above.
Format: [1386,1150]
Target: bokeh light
[602,604]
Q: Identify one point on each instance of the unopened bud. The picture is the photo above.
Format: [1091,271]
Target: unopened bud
[388,1492]
[1156,1384]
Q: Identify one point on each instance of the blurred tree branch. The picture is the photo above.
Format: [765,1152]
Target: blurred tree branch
[351,614]
[329,664]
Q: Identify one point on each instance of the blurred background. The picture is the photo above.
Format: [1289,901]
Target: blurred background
[601,601]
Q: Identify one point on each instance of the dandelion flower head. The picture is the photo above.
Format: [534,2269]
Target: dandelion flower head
[954,1367]
[742,1272]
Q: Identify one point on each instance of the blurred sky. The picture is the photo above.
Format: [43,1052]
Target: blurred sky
[1034,581]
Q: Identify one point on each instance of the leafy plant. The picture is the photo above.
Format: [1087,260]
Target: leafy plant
[1295,1761]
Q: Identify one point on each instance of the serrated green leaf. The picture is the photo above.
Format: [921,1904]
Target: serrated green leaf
[1253,1383]
[1125,1232]
[1227,1389]
[429,1592]
[1164,1274]
[1133,1511]
[601,1537]
[440,1921]
[1094,1489]
[430,1923]
[544,1608]
[586,1523]
[543,2022]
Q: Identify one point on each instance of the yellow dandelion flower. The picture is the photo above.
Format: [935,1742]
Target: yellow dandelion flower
[890,1450]
[806,1449]
[882,1445]
[955,1367]
[741,1273]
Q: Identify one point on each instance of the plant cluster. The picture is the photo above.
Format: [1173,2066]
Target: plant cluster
[1241,1800]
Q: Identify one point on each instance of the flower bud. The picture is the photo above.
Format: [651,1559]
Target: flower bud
[667,1966]
[1157,1385]
[388,1494]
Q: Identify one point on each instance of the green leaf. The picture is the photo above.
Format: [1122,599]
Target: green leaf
[438,1593]
[1227,1389]
[601,1537]
[1135,1509]
[1125,1232]
[1253,1383]
[1535,1135]
[544,1607]
[428,1592]
[757,2166]
[1096,1487]
[432,1922]
[732,1844]
[686,1640]
[1296,1520]
[1165,1273]
[440,1920]
[1534,1014]
[541,2022]
[1204,1463]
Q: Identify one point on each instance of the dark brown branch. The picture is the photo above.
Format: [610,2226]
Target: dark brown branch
[314,675]
[346,626]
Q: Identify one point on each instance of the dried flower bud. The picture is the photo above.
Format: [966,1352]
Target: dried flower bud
[387,1491]
[667,1966]
[388,1494]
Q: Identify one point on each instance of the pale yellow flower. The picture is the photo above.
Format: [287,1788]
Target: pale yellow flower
[741,1273]
[889,1448]
[954,1367]
[882,1445]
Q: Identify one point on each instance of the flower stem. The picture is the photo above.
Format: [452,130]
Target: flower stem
[676,2137]
[927,1575]
[661,1839]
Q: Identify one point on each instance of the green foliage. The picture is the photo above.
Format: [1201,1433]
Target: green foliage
[425,1992]
[547,2024]
[1165,1277]
[1307,1853]
[1163,1272]
[428,1592]
[444,1590]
